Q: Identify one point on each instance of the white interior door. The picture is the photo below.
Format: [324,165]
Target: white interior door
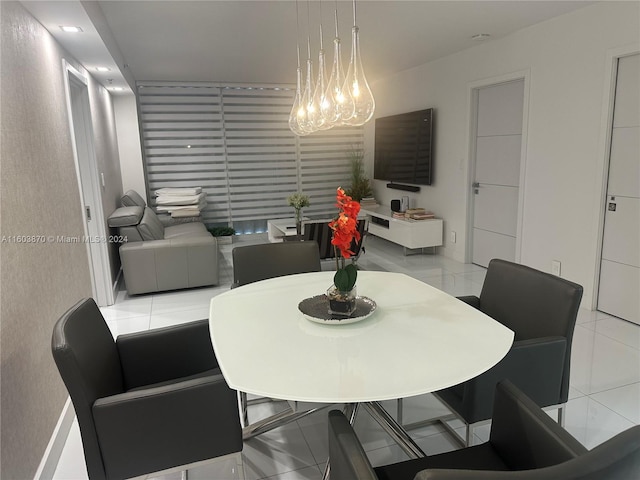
[89,184]
[498,146]
[620,263]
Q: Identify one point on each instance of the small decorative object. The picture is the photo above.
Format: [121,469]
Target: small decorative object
[342,295]
[298,201]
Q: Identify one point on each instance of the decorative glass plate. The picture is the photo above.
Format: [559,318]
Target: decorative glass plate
[316,309]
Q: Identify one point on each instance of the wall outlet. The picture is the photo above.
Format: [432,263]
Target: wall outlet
[555,267]
[452,237]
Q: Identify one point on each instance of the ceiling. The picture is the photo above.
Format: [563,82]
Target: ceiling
[255,41]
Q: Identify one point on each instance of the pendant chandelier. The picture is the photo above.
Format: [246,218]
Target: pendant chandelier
[345,99]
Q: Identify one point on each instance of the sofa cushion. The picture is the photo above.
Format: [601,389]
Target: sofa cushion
[125,216]
[182,229]
[150,227]
[132,199]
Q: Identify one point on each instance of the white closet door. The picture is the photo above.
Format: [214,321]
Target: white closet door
[620,266]
[497,171]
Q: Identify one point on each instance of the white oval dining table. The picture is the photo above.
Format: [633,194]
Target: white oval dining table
[418,340]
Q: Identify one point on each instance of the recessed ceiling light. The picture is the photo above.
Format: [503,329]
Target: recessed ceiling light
[116,89]
[70,29]
[103,69]
[480,36]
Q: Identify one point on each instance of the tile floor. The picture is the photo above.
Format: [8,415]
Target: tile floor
[604,396]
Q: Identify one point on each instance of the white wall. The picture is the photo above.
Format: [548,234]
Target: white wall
[566,59]
[129,144]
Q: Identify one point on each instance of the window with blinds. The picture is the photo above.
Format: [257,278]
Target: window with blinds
[234,142]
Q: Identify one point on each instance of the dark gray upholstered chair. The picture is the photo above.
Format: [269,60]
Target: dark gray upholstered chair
[319,232]
[541,309]
[149,401]
[252,263]
[524,444]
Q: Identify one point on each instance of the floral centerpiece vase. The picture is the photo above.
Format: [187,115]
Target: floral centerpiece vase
[342,294]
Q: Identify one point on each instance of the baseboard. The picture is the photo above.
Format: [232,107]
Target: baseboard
[51,456]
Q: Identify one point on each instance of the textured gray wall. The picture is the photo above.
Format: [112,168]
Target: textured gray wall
[39,196]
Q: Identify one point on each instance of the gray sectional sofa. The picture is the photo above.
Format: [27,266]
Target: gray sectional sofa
[156,257]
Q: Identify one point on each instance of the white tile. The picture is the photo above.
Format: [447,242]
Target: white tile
[600,363]
[219,469]
[439,443]
[592,423]
[184,299]
[281,450]
[176,317]
[574,393]
[315,431]
[624,401]
[386,455]
[127,307]
[456,285]
[585,316]
[129,325]
[620,330]
[278,451]
[71,465]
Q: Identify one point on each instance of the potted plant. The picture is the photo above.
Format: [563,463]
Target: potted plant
[298,201]
[360,184]
[342,295]
[224,235]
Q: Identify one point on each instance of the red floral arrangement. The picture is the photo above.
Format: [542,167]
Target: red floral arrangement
[345,231]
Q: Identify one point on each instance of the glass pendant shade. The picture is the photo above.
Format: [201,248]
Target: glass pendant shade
[334,97]
[359,104]
[307,101]
[319,101]
[343,99]
[297,115]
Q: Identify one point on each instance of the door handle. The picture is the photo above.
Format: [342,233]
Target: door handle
[476,186]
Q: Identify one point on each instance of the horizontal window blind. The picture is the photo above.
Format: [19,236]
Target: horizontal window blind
[234,142]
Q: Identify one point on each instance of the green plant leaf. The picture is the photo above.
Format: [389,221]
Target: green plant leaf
[352,271]
[345,278]
[341,280]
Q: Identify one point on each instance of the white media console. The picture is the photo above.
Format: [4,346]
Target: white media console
[406,232]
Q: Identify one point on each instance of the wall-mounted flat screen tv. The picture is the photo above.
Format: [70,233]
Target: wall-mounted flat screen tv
[403,148]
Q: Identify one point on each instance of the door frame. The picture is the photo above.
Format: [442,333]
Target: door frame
[472,109]
[97,251]
[604,150]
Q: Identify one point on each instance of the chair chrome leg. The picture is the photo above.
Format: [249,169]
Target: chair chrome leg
[400,412]
[468,436]
[242,406]
[561,416]
[184,475]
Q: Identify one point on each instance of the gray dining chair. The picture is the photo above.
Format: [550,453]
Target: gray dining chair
[148,401]
[541,309]
[524,444]
[252,263]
